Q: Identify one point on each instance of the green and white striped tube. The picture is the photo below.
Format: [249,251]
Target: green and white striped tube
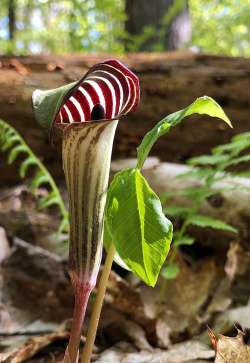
[86,155]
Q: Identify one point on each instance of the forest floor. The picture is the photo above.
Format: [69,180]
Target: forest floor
[167,324]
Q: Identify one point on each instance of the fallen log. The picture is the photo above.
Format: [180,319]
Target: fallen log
[169,81]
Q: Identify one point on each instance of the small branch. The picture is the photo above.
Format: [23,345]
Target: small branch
[95,316]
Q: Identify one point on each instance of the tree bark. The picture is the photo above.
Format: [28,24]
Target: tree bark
[168,21]
[169,81]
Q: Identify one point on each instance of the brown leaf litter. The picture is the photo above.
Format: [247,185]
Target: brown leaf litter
[230,349]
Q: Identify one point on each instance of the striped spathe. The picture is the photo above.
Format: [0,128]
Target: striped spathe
[86,162]
[89,115]
[110,84]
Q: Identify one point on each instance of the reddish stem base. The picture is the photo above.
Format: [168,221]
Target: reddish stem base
[82,292]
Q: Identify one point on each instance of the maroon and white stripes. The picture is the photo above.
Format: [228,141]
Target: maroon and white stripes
[110,84]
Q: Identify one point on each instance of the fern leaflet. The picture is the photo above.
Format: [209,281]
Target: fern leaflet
[14,145]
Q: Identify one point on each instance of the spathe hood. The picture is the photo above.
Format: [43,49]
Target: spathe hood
[107,91]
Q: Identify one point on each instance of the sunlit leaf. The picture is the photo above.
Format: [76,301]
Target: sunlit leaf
[139,230]
[203,105]
[204,221]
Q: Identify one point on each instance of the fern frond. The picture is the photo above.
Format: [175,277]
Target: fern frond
[15,151]
[238,144]
[39,179]
[28,162]
[14,145]
[9,142]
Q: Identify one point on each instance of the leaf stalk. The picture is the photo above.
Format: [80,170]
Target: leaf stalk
[95,316]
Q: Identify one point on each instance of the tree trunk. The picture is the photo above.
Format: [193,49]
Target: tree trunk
[158,25]
[169,81]
[12,18]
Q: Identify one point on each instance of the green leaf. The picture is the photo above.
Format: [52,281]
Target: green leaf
[197,173]
[30,161]
[234,148]
[170,271]
[15,152]
[9,142]
[176,211]
[204,221]
[183,241]
[8,132]
[136,223]
[244,136]
[207,106]
[209,159]
[48,201]
[203,105]
[39,179]
[197,192]
[238,160]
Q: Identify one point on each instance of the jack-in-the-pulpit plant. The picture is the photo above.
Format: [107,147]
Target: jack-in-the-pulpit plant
[135,226]
[88,112]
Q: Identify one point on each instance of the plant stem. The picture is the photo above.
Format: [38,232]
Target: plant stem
[95,316]
[82,292]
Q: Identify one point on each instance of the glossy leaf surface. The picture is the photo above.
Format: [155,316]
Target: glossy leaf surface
[137,225]
[203,105]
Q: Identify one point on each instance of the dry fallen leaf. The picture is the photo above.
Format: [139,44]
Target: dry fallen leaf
[32,346]
[116,327]
[230,349]
[39,291]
